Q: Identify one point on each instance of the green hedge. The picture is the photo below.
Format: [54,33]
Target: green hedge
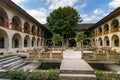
[36,75]
[107,76]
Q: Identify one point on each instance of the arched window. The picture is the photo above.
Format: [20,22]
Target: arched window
[106,29]
[16,40]
[16,23]
[2,42]
[16,43]
[115,41]
[1,20]
[106,40]
[100,42]
[32,43]
[25,43]
[26,27]
[33,30]
[115,25]
[99,31]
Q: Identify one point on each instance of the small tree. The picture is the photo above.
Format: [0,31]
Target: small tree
[56,39]
[80,37]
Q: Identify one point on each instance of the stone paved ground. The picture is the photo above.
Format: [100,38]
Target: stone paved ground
[114,67]
[31,66]
[74,68]
[71,54]
[75,64]
[72,61]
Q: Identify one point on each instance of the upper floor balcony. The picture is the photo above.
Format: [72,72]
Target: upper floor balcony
[33,33]
[27,31]
[100,33]
[38,34]
[114,29]
[17,28]
[106,32]
[4,24]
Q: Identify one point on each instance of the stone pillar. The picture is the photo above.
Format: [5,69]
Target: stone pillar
[110,42]
[22,46]
[10,35]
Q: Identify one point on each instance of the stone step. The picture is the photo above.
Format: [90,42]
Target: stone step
[12,64]
[18,66]
[77,71]
[10,60]
[1,60]
[75,66]
[77,77]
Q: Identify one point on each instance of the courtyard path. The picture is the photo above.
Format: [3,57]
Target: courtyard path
[71,54]
[74,68]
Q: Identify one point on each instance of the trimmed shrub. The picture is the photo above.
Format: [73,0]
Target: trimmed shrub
[17,75]
[52,74]
[38,75]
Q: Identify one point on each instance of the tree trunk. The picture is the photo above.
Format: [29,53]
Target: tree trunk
[62,39]
[67,42]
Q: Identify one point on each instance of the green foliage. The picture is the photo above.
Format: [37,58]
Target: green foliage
[41,75]
[56,38]
[35,75]
[17,75]
[38,75]
[80,37]
[53,74]
[100,75]
[107,76]
[3,75]
[63,20]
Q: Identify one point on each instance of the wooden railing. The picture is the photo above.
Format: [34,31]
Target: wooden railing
[116,29]
[52,55]
[5,24]
[58,49]
[33,33]
[17,28]
[38,34]
[100,33]
[27,31]
[106,32]
[101,56]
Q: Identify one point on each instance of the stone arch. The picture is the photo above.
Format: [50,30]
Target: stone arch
[41,42]
[26,27]
[115,40]
[72,43]
[106,28]
[106,41]
[93,33]
[16,23]
[100,31]
[33,42]
[115,25]
[86,42]
[100,41]
[38,31]
[49,43]
[4,40]
[3,18]
[93,42]
[33,30]
[16,41]
[27,41]
[38,41]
